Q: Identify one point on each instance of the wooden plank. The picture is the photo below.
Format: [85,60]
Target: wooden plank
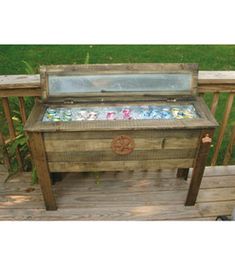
[77,156]
[41,165]
[78,202]
[105,144]
[119,165]
[20,92]
[218,88]
[222,128]
[19,85]
[134,183]
[70,197]
[202,211]
[152,134]
[229,151]
[103,213]
[19,81]
[214,102]
[216,77]
[220,170]
[75,183]
[6,108]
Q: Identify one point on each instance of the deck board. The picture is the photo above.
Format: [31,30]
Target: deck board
[149,195]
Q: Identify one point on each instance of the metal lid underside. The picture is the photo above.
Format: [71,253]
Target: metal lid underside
[91,81]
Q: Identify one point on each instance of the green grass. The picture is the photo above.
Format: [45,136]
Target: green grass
[209,57]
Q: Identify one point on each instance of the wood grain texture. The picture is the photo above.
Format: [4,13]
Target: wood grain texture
[198,168]
[119,165]
[39,156]
[149,134]
[87,156]
[105,144]
[80,197]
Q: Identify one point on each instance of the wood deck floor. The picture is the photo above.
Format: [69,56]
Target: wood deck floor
[120,196]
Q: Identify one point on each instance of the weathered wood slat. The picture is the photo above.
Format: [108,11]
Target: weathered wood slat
[229,150]
[6,108]
[113,184]
[87,156]
[116,199]
[74,205]
[20,92]
[105,144]
[152,134]
[167,212]
[222,128]
[119,165]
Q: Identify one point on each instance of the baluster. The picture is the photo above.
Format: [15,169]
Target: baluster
[214,102]
[229,150]
[11,129]
[24,118]
[222,128]
[22,110]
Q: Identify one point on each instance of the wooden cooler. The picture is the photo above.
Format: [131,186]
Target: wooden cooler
[120,117]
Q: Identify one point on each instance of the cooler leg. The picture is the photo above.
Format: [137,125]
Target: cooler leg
[199,167]
[39,157]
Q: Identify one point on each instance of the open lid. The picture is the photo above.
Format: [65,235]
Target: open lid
[76,81]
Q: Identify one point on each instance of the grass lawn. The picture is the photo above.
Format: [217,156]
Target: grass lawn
[209,57]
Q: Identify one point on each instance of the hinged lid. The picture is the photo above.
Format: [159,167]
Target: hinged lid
[65,83]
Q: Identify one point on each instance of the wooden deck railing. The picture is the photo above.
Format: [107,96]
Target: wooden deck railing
[214,82]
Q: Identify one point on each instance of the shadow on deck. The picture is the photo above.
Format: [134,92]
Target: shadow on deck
[120,196]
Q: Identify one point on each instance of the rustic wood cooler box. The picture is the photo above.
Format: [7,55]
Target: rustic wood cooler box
[99,139]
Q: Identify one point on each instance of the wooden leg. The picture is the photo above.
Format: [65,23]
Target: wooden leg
[43,173]
[182,173]
[199,166]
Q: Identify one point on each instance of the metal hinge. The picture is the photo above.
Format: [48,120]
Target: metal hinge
[68,101]
[171,100]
